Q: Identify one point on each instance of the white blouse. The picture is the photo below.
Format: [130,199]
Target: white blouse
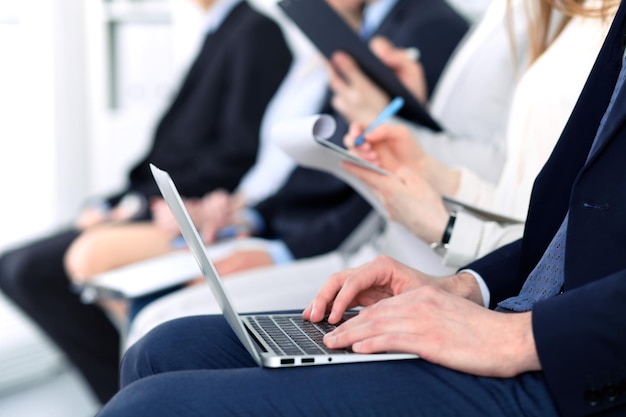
[474,94]
[543,101]
[471,101]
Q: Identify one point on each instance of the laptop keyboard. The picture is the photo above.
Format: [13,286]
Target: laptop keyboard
[292,335]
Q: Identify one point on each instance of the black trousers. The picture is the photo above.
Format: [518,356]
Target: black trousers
[33,277]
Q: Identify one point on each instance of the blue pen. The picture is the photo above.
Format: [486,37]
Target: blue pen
[391,109]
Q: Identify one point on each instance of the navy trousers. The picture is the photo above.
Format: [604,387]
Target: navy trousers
[196,366]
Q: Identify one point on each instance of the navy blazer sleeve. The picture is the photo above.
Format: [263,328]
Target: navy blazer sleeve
[500,271]
[580,334]
[208,138]
[313,213]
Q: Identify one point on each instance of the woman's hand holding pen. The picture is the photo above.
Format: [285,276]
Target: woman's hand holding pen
[394,146]
[408,199]
[411,195]
[388,146]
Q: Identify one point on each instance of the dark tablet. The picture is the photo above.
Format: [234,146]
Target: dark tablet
[330,33]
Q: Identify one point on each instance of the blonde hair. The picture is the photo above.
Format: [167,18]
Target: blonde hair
[540,13]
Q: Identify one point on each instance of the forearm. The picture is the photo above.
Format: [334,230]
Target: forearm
[483,157]
[474,191]
[444,179]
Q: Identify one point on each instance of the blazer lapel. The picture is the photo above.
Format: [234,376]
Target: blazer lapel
[615,118]
[211,43]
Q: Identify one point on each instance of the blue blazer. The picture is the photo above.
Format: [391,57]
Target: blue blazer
[208,137]
[314,211]
[581,333]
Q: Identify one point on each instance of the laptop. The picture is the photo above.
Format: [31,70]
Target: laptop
[273,340]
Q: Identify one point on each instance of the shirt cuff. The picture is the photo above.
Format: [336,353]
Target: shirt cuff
[484,290]
[279,252]
[255,220]
[97,203]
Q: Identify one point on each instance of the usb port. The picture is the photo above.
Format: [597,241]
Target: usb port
[287,361]
[308,360]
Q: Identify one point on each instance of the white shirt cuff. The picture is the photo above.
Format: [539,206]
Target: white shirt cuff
[484,290]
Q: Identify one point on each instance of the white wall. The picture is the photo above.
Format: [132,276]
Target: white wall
[26,147]
[59,142]
[42,131]
[43,118]
[146,75]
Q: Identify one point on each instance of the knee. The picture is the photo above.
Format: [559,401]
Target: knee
[134,361]
[81,260]
[33,269]
[151,397]
[147,356]
[18,272]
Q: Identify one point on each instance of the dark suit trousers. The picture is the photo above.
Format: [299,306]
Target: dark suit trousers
[196,366]
[33,277]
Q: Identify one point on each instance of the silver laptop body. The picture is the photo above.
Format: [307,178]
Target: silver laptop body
[273,340]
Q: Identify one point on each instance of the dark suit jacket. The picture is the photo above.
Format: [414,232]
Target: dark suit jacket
[431,26]
[314,211]
[581,333]
[208,137]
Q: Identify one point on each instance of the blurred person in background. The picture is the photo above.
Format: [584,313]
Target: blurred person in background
[207,138]
[313,212]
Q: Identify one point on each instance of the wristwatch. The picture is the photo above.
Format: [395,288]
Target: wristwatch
[441,247]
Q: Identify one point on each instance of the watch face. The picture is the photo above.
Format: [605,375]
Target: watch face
[439,248]
[131,206]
